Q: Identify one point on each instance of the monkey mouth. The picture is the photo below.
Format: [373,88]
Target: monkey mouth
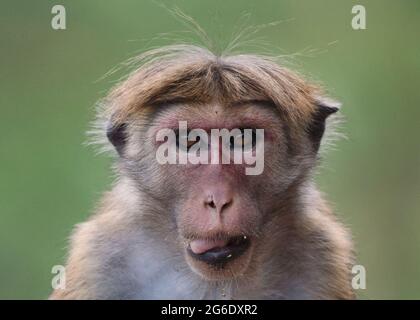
[218,252]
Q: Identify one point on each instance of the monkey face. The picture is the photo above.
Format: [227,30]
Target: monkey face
[216,217]
[217,210]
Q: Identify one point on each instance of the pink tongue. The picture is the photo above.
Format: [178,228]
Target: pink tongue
[200,246]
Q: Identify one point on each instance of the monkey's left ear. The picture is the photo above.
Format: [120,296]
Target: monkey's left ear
[324,108]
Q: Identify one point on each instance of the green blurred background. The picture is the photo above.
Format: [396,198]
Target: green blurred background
[49,83]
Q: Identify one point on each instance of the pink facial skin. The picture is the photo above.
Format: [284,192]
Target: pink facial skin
[216,204]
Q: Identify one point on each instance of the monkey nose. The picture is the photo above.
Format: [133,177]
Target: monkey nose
[218,201]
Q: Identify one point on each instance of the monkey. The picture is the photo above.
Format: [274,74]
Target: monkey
[209,231]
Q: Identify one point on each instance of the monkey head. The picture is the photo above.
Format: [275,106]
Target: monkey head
[214,215]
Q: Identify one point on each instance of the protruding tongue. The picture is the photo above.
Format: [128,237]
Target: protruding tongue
[200,246]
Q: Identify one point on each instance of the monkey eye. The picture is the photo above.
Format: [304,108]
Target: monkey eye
[182,142]
[245,141]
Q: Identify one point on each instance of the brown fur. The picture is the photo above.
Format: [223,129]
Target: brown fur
[190,73]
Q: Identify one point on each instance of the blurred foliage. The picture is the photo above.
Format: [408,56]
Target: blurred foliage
[50,80]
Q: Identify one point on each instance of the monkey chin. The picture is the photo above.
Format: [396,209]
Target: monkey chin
[222,263]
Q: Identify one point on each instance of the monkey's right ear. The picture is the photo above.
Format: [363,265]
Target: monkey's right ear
[117,135]
[324,108]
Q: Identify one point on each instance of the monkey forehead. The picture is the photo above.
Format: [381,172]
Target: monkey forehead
[247,114]
[190,73]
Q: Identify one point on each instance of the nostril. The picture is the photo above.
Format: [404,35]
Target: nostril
[212,205]
[210,202]
[226,205]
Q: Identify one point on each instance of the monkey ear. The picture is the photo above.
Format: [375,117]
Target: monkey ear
[116,134]
[324,108]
